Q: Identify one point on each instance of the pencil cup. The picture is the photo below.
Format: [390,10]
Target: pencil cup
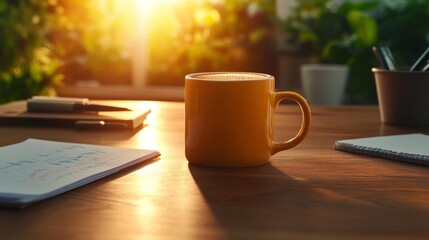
[229,119]
[403,97]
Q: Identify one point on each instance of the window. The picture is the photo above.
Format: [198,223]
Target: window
[143,49]
[104,45]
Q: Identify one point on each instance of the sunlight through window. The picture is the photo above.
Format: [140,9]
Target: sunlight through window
[123,47]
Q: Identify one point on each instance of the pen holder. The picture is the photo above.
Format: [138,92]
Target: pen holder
[403,97]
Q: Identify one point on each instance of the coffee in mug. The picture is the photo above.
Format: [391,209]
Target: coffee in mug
[229,119]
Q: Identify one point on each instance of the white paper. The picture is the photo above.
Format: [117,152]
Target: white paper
[36,169]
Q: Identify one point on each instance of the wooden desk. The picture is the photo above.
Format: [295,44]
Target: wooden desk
[309,192]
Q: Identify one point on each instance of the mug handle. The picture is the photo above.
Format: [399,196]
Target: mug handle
[305,125]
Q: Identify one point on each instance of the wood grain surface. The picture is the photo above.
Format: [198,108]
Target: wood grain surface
[308,192]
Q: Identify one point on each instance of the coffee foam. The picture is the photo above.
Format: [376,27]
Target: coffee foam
[238,76]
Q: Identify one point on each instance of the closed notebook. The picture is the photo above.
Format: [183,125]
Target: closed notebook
[410,148]
[15,113]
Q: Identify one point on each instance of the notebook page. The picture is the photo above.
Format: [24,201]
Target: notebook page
[35,168]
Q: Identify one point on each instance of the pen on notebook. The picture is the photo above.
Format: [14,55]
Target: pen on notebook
[66,105]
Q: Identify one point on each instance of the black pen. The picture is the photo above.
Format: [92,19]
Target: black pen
[380,58]
[67,106]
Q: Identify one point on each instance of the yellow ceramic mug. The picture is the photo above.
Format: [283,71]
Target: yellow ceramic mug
[229,119]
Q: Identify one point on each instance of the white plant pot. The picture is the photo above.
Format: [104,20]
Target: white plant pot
[324,84]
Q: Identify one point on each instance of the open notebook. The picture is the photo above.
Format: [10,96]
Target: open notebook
[410,148]
[35,169]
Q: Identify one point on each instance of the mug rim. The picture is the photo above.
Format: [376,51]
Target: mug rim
[263,76]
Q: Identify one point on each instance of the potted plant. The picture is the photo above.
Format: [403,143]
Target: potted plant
[332,32]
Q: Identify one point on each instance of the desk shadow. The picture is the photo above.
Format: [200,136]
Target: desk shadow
[265,203]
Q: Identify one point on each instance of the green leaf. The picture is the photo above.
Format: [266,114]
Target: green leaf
[365,28]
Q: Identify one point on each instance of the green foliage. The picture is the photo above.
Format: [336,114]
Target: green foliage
[27,67]
[227,35]
[403,25]
[94,40]
[330,31]
[321,28]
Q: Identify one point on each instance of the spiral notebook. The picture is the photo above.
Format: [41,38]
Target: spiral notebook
[409,148]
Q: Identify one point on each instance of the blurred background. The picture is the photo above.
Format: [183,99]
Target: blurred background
[142,49]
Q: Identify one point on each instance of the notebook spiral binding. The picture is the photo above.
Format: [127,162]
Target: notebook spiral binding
[380,153]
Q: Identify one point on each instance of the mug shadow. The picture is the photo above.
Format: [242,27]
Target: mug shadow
[265,203]
[246,200]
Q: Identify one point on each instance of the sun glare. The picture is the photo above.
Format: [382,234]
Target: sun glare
[158,15]
[152,8]
[153,35]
